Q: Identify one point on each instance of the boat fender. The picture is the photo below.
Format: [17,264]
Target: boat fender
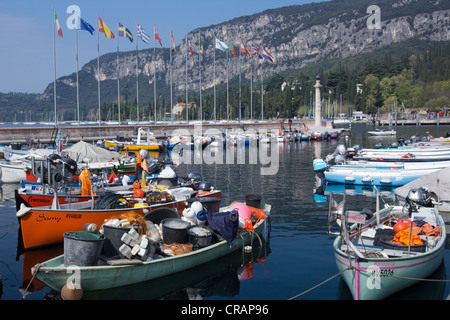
[189,215]
[196,207]
[71,291]
[23,210]
[201,217]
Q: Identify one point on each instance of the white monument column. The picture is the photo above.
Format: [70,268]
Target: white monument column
[318,113]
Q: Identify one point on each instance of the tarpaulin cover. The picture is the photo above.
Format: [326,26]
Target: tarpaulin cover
[225,223]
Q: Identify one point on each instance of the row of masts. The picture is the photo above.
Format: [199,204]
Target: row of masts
[145,38]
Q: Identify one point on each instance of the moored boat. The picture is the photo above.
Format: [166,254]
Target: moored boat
[42,226]
[106,274]
[384,255]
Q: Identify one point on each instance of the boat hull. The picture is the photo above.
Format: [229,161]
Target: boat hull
[12,174]
[54,274]
[43,227]
[365,285]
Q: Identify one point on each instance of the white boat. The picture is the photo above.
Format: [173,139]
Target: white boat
[13,173]
[381,257]
[382,133]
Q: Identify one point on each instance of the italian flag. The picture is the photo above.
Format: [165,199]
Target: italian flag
[58,27]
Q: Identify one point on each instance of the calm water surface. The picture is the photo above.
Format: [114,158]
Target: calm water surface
[296,252]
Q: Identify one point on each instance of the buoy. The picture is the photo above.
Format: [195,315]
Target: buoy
[71,291]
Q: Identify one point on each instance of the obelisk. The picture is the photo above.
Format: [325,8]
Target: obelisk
[318,113]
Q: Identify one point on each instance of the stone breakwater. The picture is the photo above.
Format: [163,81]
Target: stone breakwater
[74,133]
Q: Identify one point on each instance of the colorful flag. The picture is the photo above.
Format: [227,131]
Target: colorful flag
[188,44]
[230,46]
[86,26]
[268,56]
[58,27]
[157,36]
[255,51]
[221,45]
[142,34]
[103,28]
[173,41]
[59,142]
[244,49]
[203,50]
[124,32]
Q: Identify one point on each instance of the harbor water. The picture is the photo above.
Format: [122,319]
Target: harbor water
[296,253]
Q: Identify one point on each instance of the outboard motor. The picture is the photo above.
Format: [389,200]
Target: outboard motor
[340,159]
[350,153]
[205,186]
[357,147]
[340,149]
[320,167]
[378,145]
[418,197]
[394,145]
[401,141]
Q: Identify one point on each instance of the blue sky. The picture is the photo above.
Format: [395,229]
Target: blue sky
[26,52]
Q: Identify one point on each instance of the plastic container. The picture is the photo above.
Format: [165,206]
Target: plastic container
[211,205]
[82,248]
[387,244]
[199,237]
[253,200]
[158,215]
[113,242]
[174,230]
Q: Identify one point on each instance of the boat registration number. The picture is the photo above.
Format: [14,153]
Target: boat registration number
[383,273]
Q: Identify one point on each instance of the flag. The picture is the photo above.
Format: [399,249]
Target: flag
[203,50]
[124,32]
[267,56]
[157,36]
[230,46]
[221,45]
[103,28]
[58,27]
[188,45]
[142,34]
[244,49]
[173,41]
[255,51]
[86,26]
[59,142]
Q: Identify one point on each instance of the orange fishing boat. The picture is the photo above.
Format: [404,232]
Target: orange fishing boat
[43,226]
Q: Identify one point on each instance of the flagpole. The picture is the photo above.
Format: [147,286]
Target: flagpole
[200,75]
[214,79]
[251,91]
[118,74]
[154,70]
[78,92]
[171,85]
[262,94]
[137,78]
[228,97]
[54,68]
[98,75]
[187,94]
[240,76]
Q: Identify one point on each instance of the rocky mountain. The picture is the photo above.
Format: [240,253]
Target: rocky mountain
[296,36]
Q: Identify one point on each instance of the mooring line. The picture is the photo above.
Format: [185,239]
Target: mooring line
[315,287]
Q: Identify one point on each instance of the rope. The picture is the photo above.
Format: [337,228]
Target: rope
[35,271]
[315,287]
[14,220]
